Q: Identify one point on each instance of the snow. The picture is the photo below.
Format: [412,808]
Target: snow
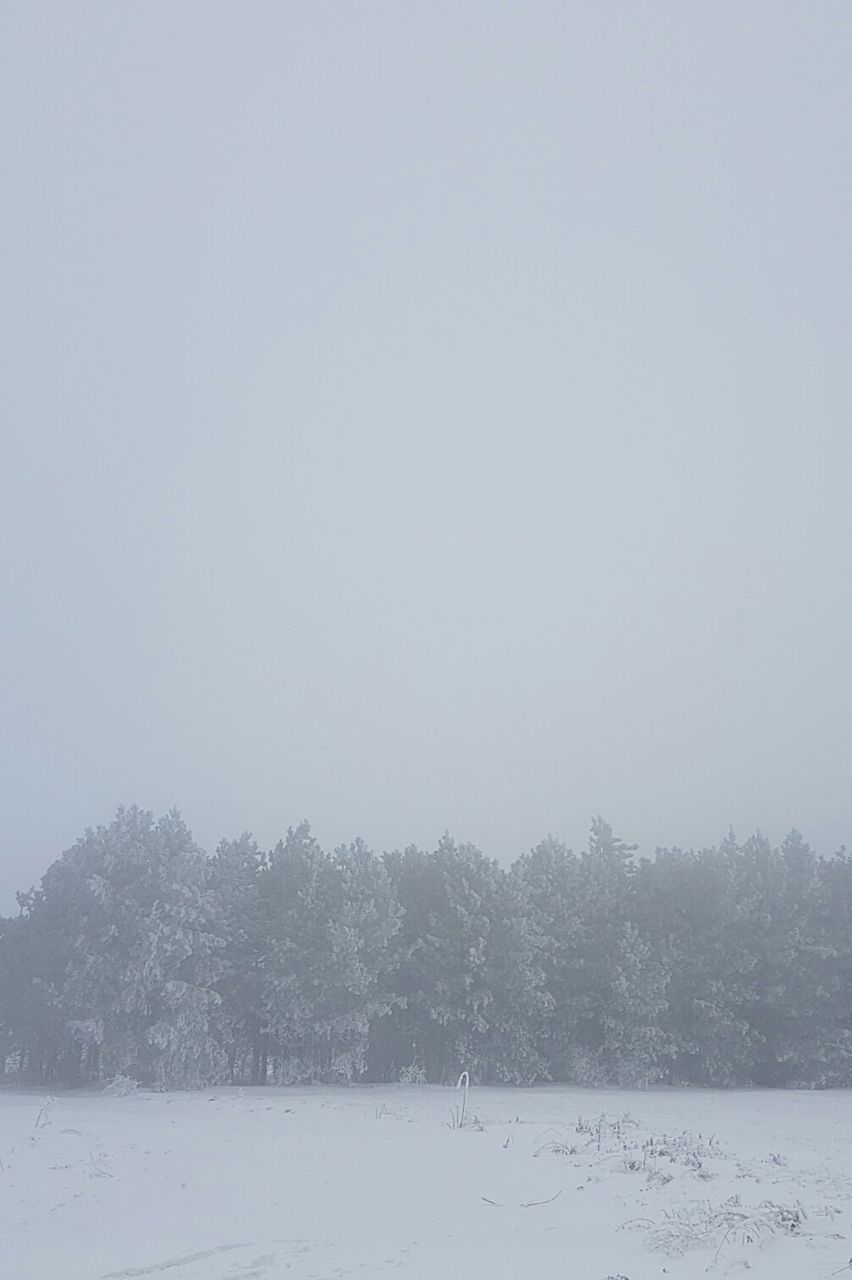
[313,1183]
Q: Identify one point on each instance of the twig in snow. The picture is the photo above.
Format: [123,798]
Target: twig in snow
[464,1079]
[530,1204]
[41,1118]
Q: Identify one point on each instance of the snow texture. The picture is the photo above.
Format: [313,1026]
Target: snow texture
[314,1183]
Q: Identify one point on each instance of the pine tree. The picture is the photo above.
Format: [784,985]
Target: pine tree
[687,901]
[327,923]
[469,975]
[549,880]
[132,960]
[233,885]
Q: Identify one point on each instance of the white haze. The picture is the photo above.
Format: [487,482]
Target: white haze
[425,415]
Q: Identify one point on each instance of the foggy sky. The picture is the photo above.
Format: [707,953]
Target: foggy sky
[425,415]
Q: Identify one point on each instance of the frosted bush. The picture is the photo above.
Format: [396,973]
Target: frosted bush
[414,1073]
[121,1086]
[701,1225]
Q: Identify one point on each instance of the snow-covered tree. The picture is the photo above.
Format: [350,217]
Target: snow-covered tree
[233,885]
[327,921]
[132,957]
[468,972]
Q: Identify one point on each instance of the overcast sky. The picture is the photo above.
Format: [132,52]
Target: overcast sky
[426,415]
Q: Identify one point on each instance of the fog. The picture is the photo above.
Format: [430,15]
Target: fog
[425,416]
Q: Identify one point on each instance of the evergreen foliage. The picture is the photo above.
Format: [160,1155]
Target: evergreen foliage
[139,956]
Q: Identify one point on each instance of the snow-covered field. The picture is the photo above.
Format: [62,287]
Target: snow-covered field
[250,1184]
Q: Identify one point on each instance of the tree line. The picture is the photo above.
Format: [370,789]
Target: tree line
[139,955]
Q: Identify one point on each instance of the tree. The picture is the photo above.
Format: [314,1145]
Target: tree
[469,977]
[688,902]
[327,922]
[549,879]
[132,958]
[234,880]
